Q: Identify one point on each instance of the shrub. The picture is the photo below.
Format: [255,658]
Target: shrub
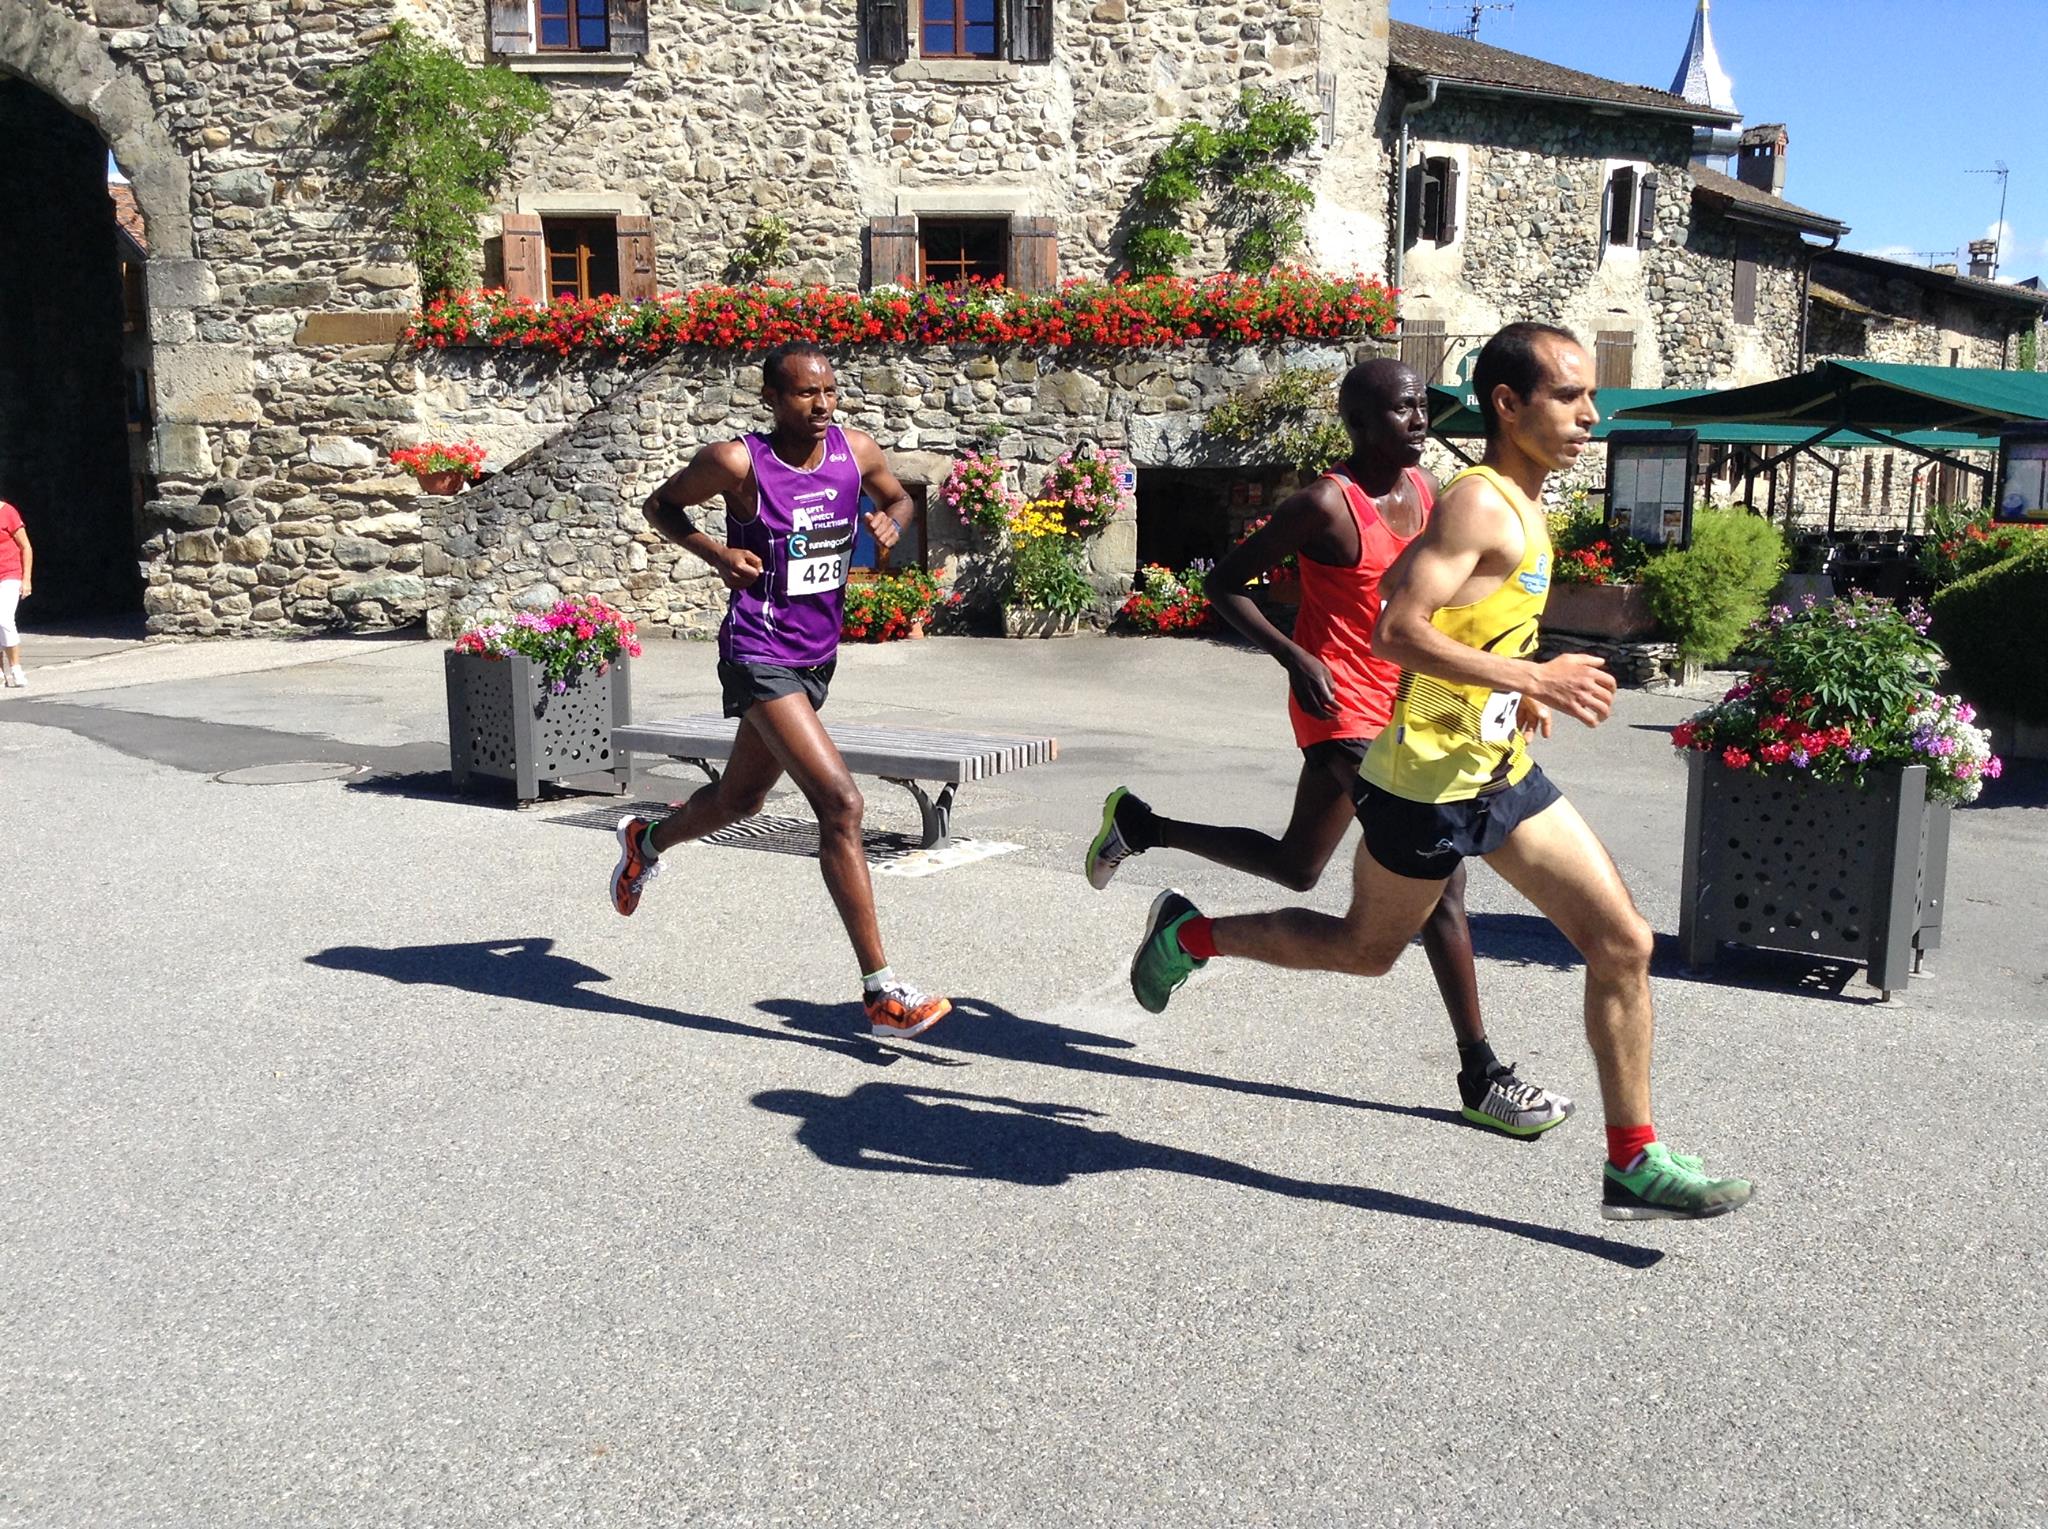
[1985,623]
[1707,595]
[1960,541]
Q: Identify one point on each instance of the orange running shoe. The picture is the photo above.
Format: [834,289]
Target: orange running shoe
[634,869]
[903,1011]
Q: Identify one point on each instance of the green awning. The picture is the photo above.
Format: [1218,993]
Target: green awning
[1453,415]
[1870,395]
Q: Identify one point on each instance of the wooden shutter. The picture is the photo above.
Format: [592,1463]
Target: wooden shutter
[1447,202]
[1413,195]
[1029,24]
[884,31]
[1326,102]
[1424,346]
[1621,188]
[892,252]
[526,257]
[1034,254]
[1614,360]
[636,258]
[1745,280]
[511,26]
[1646,209]
[628,20]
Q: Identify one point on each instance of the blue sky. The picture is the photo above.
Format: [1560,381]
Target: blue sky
[1888,102]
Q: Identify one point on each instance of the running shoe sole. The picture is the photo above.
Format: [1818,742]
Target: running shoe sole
[1635,1208]
[1099,876]
[1492,1123]
[627,826]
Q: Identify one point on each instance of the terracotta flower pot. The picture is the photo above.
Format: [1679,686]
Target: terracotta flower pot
[443,483]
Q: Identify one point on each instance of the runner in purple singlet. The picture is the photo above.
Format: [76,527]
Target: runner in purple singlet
[792,501]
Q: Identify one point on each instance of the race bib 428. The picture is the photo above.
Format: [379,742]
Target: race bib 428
[817,560]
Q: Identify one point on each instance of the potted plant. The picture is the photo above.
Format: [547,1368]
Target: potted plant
[535,696]
[1166,602]
[1817,809]
[441,467]
[1045,589]
[891,605]
[1593,578]
[1090,486]
[977,490]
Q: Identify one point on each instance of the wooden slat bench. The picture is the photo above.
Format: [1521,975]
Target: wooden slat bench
[903,756]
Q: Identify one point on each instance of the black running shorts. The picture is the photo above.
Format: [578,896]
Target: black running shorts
[1338,754]
[744,684]
[1426,840]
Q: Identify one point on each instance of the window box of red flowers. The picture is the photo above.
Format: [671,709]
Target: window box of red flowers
[1820,789]
[535,697]
[1589,595]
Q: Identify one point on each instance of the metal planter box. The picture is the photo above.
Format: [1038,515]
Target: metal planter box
[505,724]
[1780,862]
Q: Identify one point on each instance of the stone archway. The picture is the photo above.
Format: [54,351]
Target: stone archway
[76,67]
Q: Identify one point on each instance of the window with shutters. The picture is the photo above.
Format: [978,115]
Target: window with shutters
[546,33]
[951,250]
[957,29]
[1614,359]
[1630,207]
[1745,280]
[1433,199]
[578,255]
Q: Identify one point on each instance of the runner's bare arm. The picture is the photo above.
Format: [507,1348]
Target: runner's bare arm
[894,506]
[1304,519]
[721,468]
[1473,531]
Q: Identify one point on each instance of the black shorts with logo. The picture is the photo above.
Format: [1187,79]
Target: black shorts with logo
[1343,754]
[745,684]
[1426,840]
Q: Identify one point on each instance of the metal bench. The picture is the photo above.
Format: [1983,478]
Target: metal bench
[903,756]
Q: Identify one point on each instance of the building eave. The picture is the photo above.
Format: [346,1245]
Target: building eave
[1599,105]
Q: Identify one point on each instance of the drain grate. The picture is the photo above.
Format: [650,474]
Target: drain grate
[898,853]
[301,772]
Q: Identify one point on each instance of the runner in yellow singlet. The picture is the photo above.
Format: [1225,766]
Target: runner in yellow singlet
[1450,776]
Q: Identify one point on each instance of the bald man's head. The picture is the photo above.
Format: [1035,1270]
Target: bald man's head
[1385,409]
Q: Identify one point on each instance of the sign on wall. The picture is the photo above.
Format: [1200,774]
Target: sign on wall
[2023,474]
[1650,485]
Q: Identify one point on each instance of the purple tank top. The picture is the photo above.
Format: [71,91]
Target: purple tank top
[803,534]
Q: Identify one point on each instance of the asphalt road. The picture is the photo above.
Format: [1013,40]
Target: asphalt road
[360,1165]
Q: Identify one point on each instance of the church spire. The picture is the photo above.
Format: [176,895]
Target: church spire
[1700,78]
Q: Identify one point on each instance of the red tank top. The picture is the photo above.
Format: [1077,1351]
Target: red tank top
[1339,607]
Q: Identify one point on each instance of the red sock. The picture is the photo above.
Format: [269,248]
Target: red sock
[1198,937]
[1625,1142]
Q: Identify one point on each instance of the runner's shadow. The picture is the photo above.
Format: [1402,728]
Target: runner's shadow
[895,1128]
[1528,939]
[529,971]
[983,1029]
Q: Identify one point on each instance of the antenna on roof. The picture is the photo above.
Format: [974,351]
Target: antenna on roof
[1471,14]
[1997,229]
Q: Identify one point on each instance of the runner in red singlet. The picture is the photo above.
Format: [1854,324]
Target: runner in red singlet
[1347,528]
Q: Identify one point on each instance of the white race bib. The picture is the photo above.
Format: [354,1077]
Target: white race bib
[1497,718]
[817,560]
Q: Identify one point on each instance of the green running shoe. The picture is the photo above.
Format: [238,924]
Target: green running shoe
[1662,1185]
[1160,966]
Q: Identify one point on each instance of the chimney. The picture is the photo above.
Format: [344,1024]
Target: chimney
[1761,160]
[1944,268]
[1984,259]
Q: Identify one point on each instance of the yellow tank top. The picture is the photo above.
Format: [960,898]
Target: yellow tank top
[1448,742]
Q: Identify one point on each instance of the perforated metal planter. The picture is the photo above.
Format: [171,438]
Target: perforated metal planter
[1780,862]
[504,724]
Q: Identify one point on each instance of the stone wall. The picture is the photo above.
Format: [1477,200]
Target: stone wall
[784,117]
[565,519]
